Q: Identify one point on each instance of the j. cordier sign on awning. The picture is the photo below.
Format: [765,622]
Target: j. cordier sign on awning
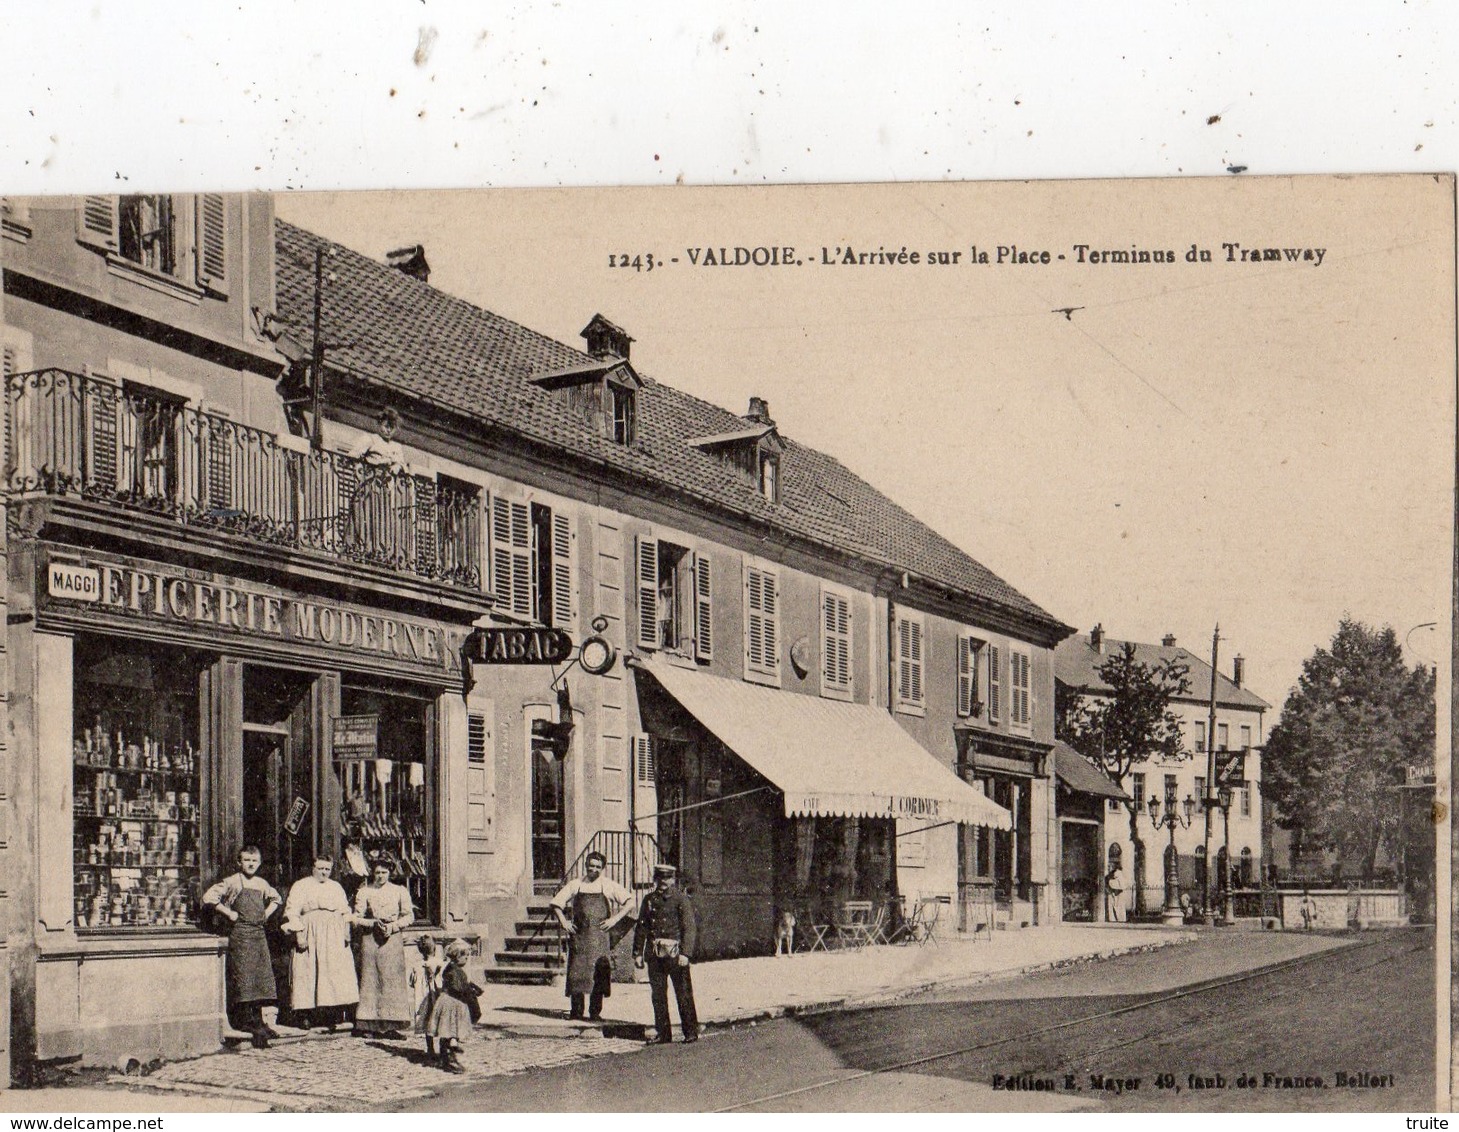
[148,592]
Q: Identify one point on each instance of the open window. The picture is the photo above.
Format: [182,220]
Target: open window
[675,590]
[179,238]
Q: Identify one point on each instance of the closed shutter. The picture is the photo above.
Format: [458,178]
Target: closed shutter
[703,611]
[212,257]
[102,397]
[995,682]
[96,223]
[427,555]
[762,628]
[646,573]
[966,676]
[909,662]
[478,780]
[220,462]
[645,768]
[835,642]
[511,557]
[562,571]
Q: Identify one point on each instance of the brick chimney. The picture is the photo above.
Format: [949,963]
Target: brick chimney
[1096,638]
[1168,640]
[606,340]
[410,261]
[1238,670]
[759,411]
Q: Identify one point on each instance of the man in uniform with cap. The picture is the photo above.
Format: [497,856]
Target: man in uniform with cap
[664,941]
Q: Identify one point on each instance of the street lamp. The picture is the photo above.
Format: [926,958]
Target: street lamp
[1223,799]
[1171,913]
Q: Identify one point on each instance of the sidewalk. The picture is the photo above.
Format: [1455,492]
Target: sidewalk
[741,990]
[526,1027]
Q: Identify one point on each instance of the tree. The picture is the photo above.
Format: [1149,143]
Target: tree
[1126,726]
[1357,718]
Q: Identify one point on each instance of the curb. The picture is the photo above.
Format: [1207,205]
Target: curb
[886,994]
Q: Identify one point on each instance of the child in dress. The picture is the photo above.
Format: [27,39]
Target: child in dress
[425,984]
[456,1009]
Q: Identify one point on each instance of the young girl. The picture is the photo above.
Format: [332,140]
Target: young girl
[456,1009]
[425,983]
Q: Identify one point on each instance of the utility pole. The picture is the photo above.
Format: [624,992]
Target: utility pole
[1208,915]
[316,365]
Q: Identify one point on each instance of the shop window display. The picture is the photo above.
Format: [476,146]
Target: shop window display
[135,786]
[387,802]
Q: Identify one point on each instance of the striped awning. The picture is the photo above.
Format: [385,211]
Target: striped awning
[830,759]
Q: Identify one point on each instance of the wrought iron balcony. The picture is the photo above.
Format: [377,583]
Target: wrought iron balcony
[147,452]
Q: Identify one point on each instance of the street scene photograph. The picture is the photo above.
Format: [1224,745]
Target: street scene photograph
[957,647]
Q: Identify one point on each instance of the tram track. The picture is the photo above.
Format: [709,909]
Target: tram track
[1182,995]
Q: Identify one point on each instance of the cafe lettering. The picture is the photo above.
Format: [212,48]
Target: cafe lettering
[214,604]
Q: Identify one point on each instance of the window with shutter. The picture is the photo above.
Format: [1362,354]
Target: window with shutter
[562,571]
[220,448]
[212,243]
[513,585]
[478,781]
[995,683]
[909,662]
[97,222]
[703,609]
[426,551]
[762,623]
[645,770]
[646,575]
[15,218]
[1019,698]
[967,676]
[835,645]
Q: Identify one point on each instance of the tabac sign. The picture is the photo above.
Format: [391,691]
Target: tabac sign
[517,644]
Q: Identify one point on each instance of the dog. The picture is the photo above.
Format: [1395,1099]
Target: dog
[785,934]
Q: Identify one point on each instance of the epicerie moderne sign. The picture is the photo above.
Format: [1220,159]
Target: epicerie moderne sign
[157,594]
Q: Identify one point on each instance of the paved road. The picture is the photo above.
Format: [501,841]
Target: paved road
[1285,1010]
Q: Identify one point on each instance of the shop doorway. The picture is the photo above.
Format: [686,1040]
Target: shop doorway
[548,805]
[1080,871]
[278,772]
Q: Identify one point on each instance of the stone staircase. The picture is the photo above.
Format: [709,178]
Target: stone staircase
[535,953]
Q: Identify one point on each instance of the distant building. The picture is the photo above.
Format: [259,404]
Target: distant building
[1239,727]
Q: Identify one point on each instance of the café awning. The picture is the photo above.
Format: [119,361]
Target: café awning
[830,759]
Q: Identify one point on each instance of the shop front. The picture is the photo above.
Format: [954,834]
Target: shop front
[1082,794]
[168,716]
[774,802]
[1003,873]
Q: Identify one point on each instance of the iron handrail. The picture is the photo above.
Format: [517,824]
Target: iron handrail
[142,450]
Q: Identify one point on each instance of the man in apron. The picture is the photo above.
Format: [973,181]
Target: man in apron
[598,903]
[247,901]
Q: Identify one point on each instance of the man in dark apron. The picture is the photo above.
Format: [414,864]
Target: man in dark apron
[598,903]
[247,901]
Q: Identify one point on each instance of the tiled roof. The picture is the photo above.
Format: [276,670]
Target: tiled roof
[395,331]
[1076,665]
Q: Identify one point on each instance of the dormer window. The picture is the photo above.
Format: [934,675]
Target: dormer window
[753,450]
[623,403]
[770,476]
[602,392]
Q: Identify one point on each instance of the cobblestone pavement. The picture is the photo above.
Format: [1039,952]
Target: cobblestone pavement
[341,1072]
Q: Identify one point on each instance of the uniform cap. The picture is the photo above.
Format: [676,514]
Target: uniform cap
[665,871]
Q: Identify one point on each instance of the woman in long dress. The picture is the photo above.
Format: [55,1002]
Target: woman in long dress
[382,911]
[322,982]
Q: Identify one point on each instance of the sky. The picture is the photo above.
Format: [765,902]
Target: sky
[1264,445]
[1272,449]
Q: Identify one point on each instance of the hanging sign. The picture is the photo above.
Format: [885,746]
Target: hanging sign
[1230,768]
[295,821]
[356,737]
[514,644]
